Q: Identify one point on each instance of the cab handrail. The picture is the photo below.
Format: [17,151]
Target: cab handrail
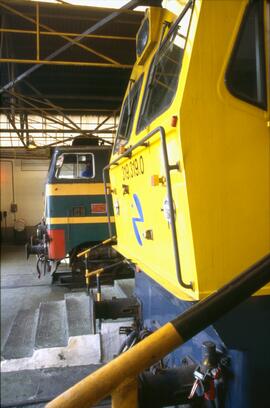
[86,251]
[123,370]
[168,168]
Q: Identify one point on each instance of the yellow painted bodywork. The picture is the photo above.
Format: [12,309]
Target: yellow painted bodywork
[222,191]
[78,220]
[153,14]
[69,189]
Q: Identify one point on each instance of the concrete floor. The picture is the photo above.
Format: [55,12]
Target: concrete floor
[21,290]
[20,287]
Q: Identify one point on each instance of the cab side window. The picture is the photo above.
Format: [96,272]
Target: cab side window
[165,70]
[246,73]
[127,115]
[75,166]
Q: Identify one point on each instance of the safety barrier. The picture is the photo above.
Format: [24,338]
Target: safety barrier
[119,377]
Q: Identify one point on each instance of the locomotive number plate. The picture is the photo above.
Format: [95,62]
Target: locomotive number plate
[133,168]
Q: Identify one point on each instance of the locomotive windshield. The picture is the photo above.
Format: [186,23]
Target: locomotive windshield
[164,73]
[127,116]
[75,166]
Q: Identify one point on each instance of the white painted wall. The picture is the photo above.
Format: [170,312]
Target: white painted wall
[29,185]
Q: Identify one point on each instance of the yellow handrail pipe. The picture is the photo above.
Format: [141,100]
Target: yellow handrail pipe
[94,273]
[88,250]
[101,270]
[125,368]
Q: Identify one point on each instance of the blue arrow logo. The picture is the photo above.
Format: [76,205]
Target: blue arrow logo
[135,220]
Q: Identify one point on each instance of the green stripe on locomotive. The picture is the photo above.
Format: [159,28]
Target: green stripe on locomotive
[69,206]
[77,234]
[79,207]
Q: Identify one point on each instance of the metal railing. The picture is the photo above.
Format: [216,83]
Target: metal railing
[119,377]
[168,168]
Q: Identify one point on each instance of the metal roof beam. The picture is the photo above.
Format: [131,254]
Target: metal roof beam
[59,33]
[46,27]
[81,111]
[52,105]
[15,129]
[78,96]
[130,5]
[39,63]
[43,112]
[57,108]
[106,119]
[60,131]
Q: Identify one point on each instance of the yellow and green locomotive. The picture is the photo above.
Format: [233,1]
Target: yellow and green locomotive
[75,208]
[190,181]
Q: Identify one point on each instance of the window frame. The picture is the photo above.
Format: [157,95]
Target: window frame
[145,23]
[139,127]
[137,83]
[264,103]
[78,178]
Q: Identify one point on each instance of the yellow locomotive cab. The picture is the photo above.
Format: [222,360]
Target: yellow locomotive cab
[190,169]
[190,180]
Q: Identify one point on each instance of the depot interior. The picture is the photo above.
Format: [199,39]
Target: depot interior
[75,92]
[65,67]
